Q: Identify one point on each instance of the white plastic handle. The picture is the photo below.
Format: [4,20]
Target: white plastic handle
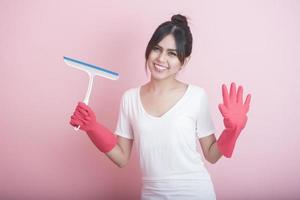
[88,94]
[77,128]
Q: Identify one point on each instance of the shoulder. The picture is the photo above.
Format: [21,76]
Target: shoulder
[129,100]
[197,91]
[130,94]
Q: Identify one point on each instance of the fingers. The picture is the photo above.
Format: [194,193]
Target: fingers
[86,108]
[247,102]
[232,94]
[233,98]
[225,95]
[223,110]
[75,122]
[240,95]
[83,106]
[80,115]
[82,111]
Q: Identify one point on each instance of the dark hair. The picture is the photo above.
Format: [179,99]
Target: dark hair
[178,27]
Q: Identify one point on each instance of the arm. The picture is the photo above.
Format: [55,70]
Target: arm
[120,154]
[235,118]
[210,149]
[234,112]
[117,149]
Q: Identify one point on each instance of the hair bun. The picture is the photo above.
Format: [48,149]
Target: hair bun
[179,19]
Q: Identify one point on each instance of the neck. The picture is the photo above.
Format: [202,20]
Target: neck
[161,86]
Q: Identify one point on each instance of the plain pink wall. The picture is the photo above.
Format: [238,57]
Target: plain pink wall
[254,43]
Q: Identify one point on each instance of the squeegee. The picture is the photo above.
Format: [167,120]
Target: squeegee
[92,71]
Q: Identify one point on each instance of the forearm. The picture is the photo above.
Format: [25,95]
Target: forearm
[227,140]
[107,143]
[116,155]
[213,154]
[234,112]
[101,136]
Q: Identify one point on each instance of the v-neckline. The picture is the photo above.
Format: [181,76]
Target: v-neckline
[169,110]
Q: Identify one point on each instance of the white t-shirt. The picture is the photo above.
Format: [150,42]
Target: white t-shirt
[166,145]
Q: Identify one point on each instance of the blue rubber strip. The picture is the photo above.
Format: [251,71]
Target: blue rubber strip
[92,66]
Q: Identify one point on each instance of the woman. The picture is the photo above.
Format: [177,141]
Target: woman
[165,117]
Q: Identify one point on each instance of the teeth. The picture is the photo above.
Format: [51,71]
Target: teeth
[160,68]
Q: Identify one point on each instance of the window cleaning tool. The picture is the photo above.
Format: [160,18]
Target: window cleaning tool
[92,71]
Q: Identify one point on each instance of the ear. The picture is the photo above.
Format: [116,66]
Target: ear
[186,60]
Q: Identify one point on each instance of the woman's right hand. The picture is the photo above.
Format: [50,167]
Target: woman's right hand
[83,116]
[102,137]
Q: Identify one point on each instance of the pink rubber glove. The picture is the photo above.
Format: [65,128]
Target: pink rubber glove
[103,138]
[235,118]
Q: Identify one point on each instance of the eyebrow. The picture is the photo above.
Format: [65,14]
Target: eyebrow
[167,49]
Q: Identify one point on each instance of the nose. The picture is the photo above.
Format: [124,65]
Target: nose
[161,57]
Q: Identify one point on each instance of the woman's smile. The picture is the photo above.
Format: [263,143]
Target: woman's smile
[160,68]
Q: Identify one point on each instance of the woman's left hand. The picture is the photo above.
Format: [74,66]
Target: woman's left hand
[233,109]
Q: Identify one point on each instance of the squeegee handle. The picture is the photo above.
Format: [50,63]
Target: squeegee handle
[87,95]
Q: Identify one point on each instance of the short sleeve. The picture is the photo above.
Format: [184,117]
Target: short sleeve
[124,128]
[204,125]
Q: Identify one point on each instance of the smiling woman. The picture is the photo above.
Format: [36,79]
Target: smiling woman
[164,59]
[179,29]
[166,118]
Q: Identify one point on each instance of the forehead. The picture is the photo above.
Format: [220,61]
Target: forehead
[168,42]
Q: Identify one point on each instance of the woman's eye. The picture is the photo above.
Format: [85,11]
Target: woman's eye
[172,54]
[155,48]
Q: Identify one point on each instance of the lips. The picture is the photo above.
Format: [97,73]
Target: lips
[160,68]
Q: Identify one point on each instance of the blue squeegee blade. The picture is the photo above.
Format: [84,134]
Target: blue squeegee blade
[91,66]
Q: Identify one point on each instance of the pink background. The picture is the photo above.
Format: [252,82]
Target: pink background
[254,43]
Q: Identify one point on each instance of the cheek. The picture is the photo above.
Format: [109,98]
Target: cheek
[175,64]
[152,56]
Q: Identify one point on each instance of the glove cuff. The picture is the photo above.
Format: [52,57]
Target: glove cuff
[227,140]
[103,138]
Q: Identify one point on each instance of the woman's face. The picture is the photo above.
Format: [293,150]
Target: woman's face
[163,61]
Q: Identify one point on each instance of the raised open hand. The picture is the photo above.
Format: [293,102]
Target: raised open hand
[233,109]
